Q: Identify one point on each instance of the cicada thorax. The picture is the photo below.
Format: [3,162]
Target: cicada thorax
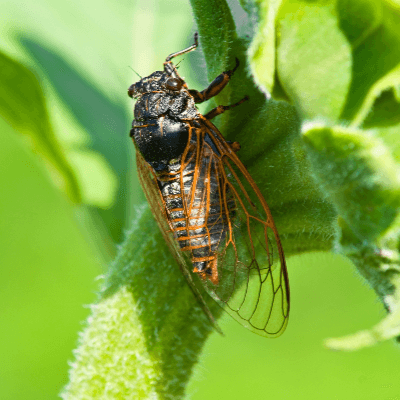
[156,131]
[196,210]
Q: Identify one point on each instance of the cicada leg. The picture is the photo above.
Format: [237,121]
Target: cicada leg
[215,86]
[221,109]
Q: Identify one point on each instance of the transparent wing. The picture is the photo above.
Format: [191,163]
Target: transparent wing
[153,195]
[253,284]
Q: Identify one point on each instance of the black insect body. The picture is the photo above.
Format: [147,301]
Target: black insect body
[160,128]
[164,115]
[205,201]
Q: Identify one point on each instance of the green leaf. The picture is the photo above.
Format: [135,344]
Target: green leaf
[359,19]
[96,179]
[374,20]
[313,59]
[379,264]
[22,104]
[146,332]
[217,34]
[262,51]
[380,107]
[372,28]
[358,175]
[98,157]
[390,135]
[362,179]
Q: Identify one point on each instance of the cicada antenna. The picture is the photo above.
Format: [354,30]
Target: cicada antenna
[135,72]
[177,65]
[187,50]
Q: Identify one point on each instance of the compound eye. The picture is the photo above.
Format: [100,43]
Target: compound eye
[173,84]
[131,90]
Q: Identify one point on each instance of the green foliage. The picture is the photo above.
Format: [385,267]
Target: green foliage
[80,171]
[358,174]
[146,334]
[313,59]
[22,104]
[319,136]
[309,54]
[48,272]
[315,63]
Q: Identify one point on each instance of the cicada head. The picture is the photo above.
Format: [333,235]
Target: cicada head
[167,81]
[159,81]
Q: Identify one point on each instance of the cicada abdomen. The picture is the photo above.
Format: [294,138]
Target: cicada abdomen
[196,209]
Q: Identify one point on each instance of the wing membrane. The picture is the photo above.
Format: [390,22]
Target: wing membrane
[253,283]
[219,194]
[148,181]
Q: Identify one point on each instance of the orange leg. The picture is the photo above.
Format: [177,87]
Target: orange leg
[221,109]
[215,86]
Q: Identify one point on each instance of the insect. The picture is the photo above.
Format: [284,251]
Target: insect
[209,209]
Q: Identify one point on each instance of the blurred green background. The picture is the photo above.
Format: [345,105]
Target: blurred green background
[52,250]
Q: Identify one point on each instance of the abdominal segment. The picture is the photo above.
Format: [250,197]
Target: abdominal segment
[196,208]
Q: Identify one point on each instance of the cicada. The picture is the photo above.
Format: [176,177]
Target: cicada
[212,214]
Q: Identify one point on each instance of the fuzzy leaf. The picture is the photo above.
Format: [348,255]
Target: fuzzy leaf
[217,34]
[262,51]
[362,179]
[313,59]
[373,30]
[358,175]
[146,332]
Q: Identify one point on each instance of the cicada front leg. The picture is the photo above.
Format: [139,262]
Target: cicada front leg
[215,86]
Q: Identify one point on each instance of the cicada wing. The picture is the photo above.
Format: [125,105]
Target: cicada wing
[148,181]
[253,283]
